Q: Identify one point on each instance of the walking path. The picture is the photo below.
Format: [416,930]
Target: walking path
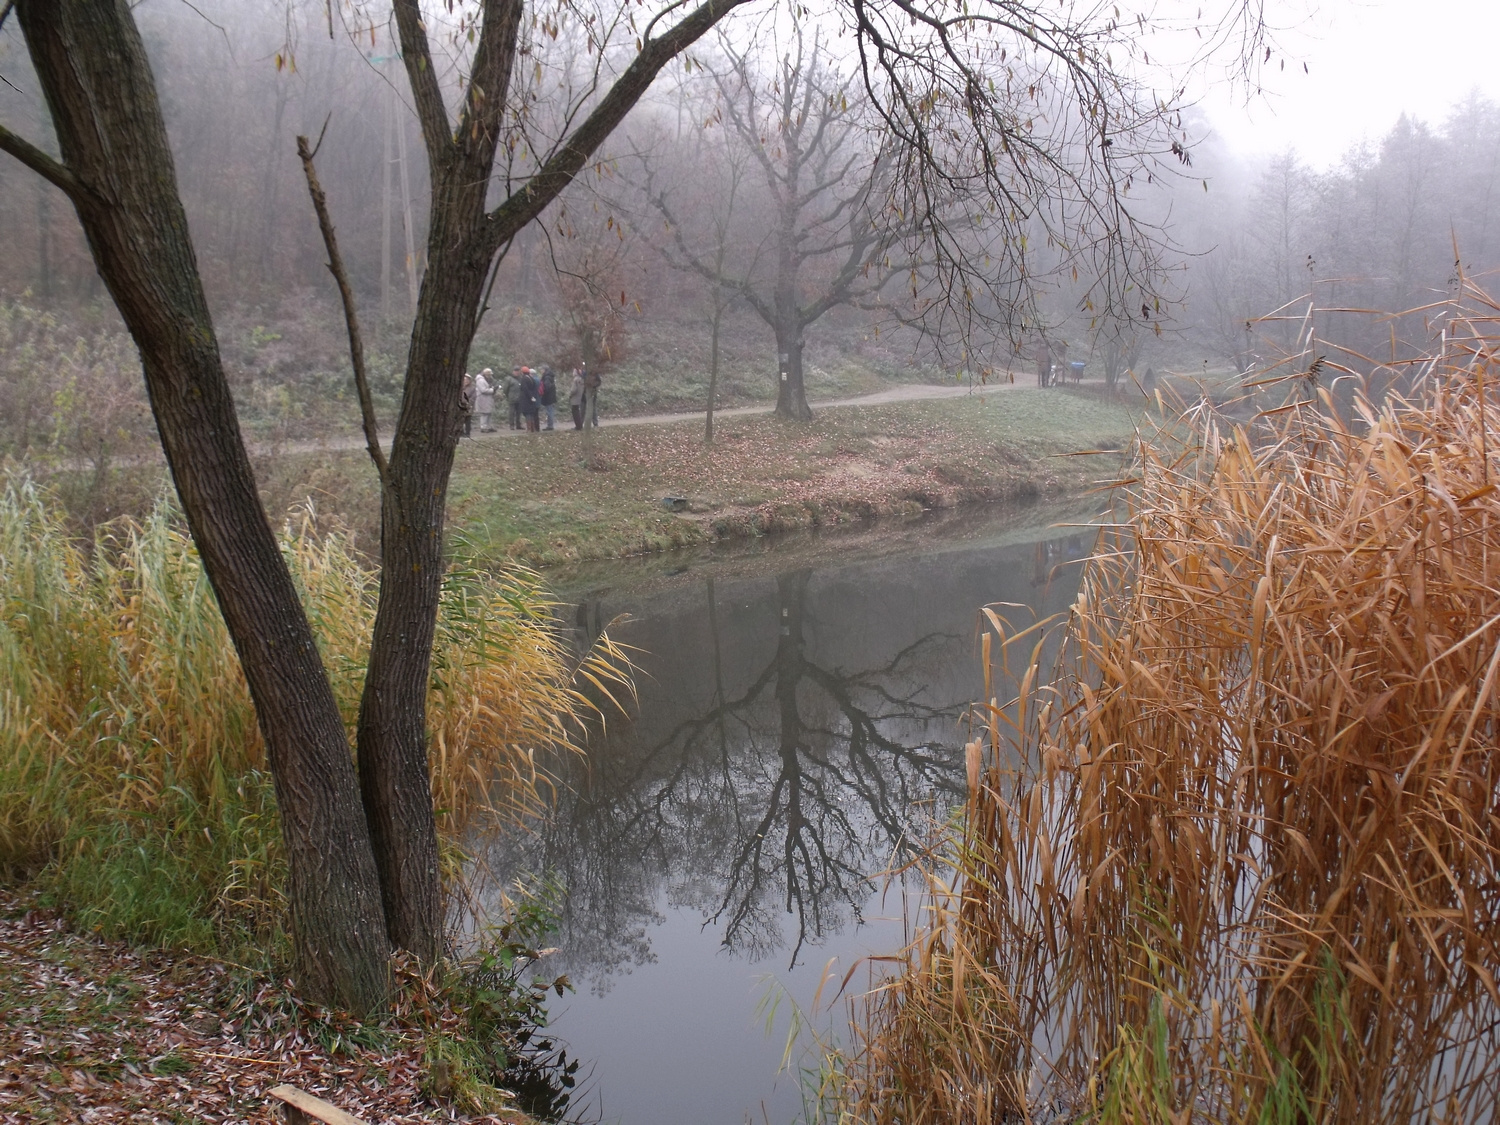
[907,392]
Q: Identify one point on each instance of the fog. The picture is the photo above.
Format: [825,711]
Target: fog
[664,254]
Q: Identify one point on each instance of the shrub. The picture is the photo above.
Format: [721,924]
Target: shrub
[1239,861]
[132,773]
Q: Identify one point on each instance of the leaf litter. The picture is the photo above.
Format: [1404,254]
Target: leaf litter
[95,1031]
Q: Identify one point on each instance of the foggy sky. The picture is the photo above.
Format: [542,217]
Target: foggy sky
[1368,61]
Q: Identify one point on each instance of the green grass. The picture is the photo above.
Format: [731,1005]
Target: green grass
[133,789]
[545,500]
[538,501]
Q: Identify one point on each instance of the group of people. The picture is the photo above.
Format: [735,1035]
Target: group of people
[529,396]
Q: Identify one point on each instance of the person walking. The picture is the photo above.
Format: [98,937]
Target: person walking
[548,396]
[530,398]
[575,399]
[1043,361]
[466,404]
[591,384]
[484,400]
[512,390]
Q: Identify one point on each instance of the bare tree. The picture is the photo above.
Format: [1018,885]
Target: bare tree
[362,878]
[827,243]
[362,853]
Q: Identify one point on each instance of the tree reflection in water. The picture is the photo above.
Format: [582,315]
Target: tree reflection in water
[768,808]
[813,795]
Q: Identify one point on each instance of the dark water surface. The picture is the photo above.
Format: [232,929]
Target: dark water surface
[800,720]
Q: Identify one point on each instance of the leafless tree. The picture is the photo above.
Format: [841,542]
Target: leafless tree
[504,135]
[824,183]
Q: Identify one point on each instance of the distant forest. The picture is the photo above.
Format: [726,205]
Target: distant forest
[619,273]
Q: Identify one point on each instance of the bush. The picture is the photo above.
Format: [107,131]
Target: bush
[132,773]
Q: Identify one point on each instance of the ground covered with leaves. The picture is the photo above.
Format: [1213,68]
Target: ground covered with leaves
[94,1031]
[546,498]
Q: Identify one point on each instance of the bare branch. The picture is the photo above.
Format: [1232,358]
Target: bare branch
[565,163]
[53,171]
[346,294]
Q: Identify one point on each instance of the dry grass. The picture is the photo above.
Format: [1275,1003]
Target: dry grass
[131,766]
[1240,860]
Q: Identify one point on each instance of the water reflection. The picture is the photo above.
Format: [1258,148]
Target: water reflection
[799,723]
[792,729]
[796,788]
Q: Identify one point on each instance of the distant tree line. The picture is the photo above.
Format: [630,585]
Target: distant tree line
[1387,228]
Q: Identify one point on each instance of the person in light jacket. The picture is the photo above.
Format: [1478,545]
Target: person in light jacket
[484,400]
[575,399]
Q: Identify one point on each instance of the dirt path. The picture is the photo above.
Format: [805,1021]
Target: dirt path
[909,392]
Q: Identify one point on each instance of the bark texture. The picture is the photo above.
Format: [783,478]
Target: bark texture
[462,241]
[118,170]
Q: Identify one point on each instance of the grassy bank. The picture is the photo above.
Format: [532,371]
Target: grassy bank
[546,499]
[135,803]
[132,779]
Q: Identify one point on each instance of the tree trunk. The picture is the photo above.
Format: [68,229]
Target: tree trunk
[44,239]
[392,738]
[713,370]
[393,765]
[791,395]
[386,101]
[92,66]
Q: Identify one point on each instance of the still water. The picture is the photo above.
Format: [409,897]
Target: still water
[801,719]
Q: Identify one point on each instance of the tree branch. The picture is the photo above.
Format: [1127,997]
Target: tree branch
[346,294]
[53,171]
[437,133]
[483,112]
[564,164]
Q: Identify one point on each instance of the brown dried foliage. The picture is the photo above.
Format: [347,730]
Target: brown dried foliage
[1240,859]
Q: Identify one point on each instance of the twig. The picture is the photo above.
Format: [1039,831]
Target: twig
[351,317]
[484,305]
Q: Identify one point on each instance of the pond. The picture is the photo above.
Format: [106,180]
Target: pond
[800,722]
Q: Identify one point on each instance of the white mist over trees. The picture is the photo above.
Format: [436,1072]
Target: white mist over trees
[1386,229]
[1012,140]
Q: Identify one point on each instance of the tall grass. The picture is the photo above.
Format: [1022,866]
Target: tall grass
[1239,861]
[132,772]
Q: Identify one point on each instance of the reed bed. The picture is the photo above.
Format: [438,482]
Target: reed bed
[132,772]
[1238,860]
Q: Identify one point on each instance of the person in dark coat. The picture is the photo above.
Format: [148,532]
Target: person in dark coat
[530,398]
[548,396]
[466,404]
[591,384]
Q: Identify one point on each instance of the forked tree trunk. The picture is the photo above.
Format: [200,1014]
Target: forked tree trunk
[118,170]
[102,97]
[393,763]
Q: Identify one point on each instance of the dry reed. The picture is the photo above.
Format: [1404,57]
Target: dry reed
[1239,859]
[131,766]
